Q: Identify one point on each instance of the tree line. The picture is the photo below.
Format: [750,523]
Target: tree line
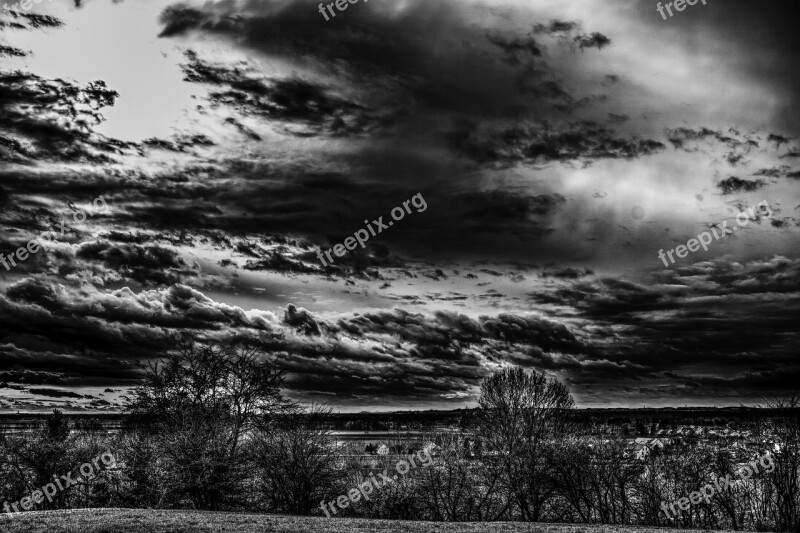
[208,428]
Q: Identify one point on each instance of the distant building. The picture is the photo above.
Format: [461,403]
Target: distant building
[643,447]
[383,449]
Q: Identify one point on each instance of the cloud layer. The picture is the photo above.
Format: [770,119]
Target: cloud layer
[558,148]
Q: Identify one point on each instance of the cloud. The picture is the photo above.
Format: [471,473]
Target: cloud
[693,320]
[541,144]
[595,40]
[56,393]
[301,319]
[739,145]
[11,51]
[293,100]
[145,264]
[733,185]
[411,350]
[533,136]
[50,119]
[32,377]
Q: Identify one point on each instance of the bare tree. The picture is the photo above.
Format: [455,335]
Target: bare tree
[40,452]
[457,488]
[596,478]
[520,413]
[296,459]
[199,401]
[146,482]
[785,480]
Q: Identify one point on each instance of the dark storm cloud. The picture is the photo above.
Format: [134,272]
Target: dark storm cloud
[541,144]
[393,77]
[105,334]
[11,51]
[179,143]
[145,264]
[420,357]
[569,273]
[447,329]
[73,251]
[99,321]
[595,40]
[33,20]
[434,357]
[12,25]
[364,388]
[399,57]
[178,19]
[301,319]
[440,98]
[36,20]
[774,172]
[290,100]
[56,393]
[51,119]
[778,139]
[367,39]
[284,262]
[681,137]
[739,145]
[514,46]
[734,185]
[557,27]
[713,316]
[31,377]
[188,211]
[566,30]
[30,355]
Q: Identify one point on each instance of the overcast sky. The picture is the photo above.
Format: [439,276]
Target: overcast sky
[558,147]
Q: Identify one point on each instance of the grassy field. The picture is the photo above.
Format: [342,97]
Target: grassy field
[147,521]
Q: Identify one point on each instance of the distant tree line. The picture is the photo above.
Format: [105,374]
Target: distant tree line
[209,429]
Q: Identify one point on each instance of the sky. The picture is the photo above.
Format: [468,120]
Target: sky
[197,159]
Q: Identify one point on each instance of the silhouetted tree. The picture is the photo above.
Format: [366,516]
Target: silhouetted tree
[520,413]
[785,480]
[296,459]
[41,452]
[198,401]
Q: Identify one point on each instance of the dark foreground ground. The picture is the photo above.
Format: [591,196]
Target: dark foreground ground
[148,521]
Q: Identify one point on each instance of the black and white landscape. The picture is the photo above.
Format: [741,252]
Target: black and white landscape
[231,225]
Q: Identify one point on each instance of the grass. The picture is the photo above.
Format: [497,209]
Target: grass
[160,521]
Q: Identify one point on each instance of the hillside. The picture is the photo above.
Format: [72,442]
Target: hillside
[148,521]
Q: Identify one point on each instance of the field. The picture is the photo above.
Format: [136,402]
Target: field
[148,521]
